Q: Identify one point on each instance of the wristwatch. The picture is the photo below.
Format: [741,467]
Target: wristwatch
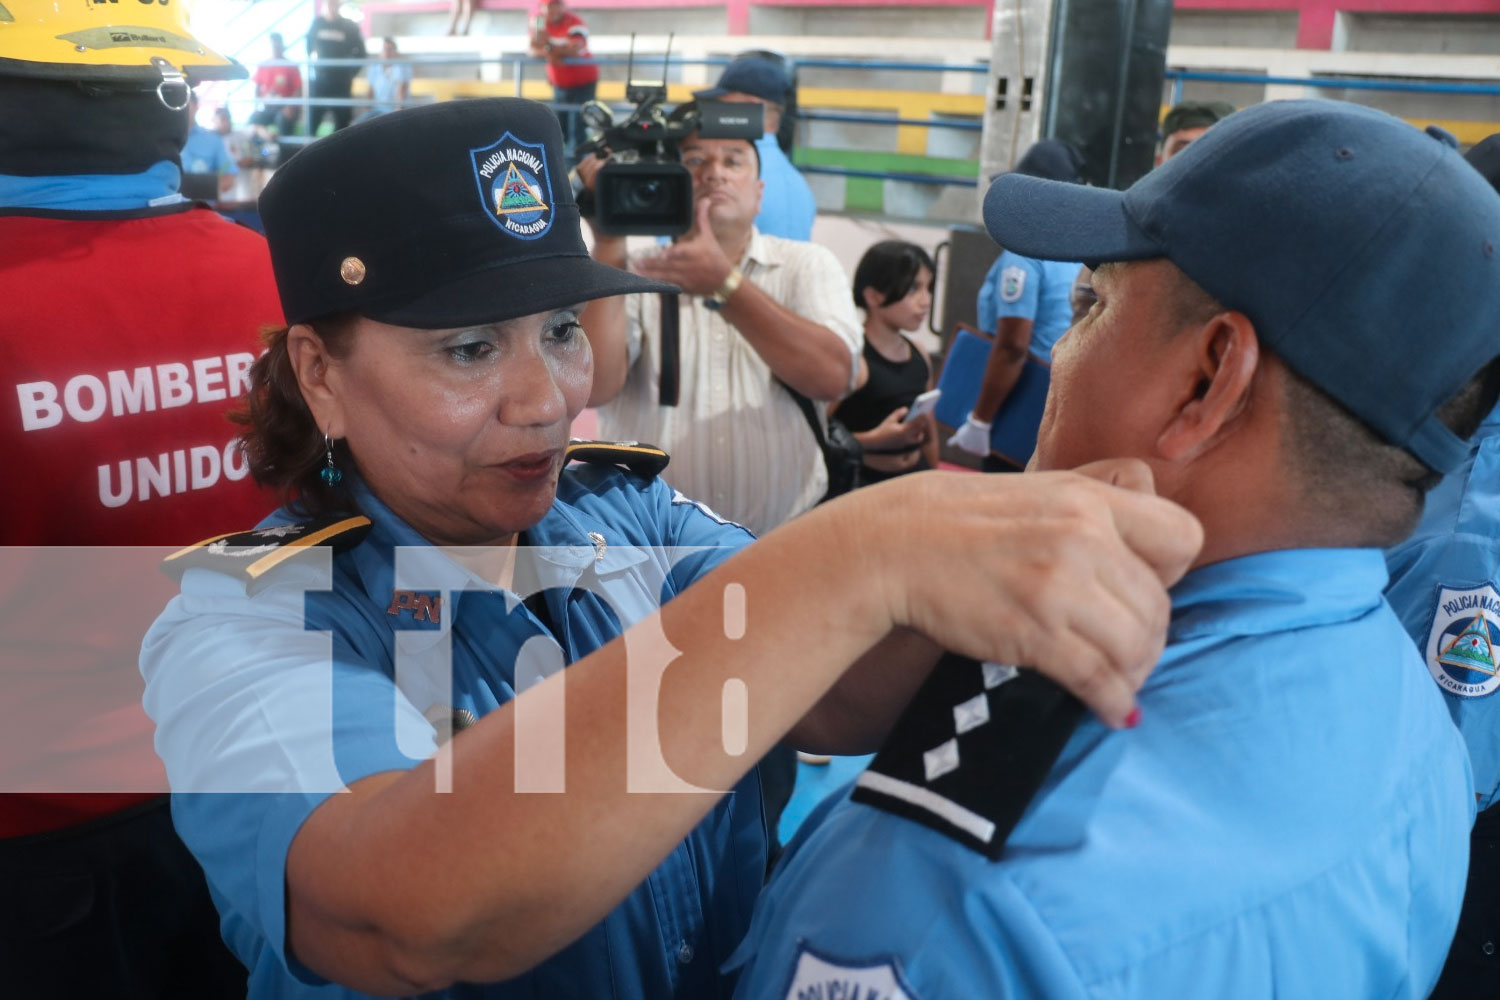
[731,284]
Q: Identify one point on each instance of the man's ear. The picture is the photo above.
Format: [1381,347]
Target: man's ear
[316,374]
[1226,356]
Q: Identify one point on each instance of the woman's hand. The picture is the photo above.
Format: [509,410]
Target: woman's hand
[891,445]
[1063,572]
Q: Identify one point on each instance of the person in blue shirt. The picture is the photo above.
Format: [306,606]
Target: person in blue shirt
[1445,585]
[396,633]
[1290,818]
[390,80]
[1024,303]
[205,151]
[788,208]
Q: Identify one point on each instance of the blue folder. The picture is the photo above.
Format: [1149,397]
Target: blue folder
[1013,433]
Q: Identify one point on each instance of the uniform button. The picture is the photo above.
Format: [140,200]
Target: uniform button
[1488,947]
[685,952]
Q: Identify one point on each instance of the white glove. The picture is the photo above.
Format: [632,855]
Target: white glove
[973,437]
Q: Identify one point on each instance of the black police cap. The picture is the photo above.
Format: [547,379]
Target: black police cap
[440,216]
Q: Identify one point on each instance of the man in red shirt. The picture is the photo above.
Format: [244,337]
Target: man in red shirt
[562,39]
[129,318]
[277,77]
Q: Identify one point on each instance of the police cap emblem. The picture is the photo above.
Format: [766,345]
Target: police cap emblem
[515,187]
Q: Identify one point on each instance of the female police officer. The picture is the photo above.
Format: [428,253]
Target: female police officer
[568,843]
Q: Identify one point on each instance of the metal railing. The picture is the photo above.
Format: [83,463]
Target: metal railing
[522,68]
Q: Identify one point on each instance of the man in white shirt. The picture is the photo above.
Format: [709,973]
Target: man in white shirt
[757,314]
[788,209]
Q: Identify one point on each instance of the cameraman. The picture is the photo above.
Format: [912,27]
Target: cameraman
[758,314]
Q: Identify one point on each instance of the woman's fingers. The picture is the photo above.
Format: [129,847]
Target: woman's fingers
[1165,535]
[1058,572]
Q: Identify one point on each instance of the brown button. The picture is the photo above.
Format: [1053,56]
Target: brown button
[352,270]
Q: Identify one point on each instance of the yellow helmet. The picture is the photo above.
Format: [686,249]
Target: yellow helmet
[144,41]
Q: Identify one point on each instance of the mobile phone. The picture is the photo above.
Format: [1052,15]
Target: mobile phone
[923,404]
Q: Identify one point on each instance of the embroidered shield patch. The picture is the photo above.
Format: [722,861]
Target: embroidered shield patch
[1012,284]
[1461,644]
[515,188]
[817,977]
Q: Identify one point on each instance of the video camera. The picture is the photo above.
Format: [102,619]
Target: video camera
[643,189]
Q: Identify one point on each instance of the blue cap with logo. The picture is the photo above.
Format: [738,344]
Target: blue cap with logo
[1363,250]
[438,216]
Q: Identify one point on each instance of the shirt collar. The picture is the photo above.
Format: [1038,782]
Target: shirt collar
[1277,591]
[156,186]
[758,251]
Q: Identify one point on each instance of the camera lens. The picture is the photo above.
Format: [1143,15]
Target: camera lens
[643,195]
[651,197]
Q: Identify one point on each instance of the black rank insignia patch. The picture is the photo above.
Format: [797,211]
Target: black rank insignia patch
[971,751]
[250,555]
[645,460]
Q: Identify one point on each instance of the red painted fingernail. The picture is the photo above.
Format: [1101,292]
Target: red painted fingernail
[1134,718]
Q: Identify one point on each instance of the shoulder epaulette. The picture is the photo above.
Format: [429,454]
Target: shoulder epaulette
[250,555]
[971,750]
[642,459]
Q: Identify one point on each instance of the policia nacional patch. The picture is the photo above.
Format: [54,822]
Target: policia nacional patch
[971,751]
[1462,642]
[250,555]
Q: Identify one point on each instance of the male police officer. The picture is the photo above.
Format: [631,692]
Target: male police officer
[1024,303]
[128,323]
[1445,585]
[1285,819]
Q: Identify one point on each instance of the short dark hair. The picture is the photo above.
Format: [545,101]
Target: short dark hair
[1346,472]
[1194,114]
[891,268]
[283,443]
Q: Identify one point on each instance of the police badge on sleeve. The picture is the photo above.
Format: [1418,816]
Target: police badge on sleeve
[1461,645]
[1012,283]
[514,186]
[819,977]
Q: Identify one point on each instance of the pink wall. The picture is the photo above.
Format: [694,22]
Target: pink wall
[1315,17]
[1314,23]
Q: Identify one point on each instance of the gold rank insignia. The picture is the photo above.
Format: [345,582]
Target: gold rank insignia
[645,460]
[250,555]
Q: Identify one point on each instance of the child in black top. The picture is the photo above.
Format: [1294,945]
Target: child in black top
[893,285]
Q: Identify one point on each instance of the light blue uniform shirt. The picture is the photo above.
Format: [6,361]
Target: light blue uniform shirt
[205,153]
[246,699]
[787,207]
[1445,585]
[1029,289]
[1289,820]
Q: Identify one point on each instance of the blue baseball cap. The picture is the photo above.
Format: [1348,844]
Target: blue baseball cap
[757,76]
[1363,250]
